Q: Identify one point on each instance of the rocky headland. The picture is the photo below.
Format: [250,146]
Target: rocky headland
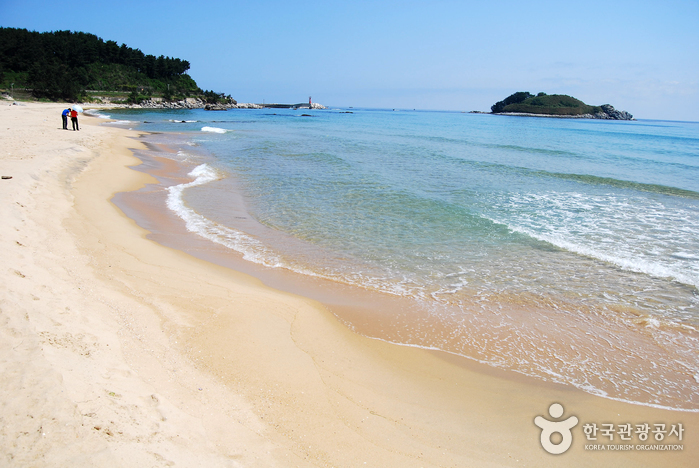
[196,103]
[556,105]
[608,113]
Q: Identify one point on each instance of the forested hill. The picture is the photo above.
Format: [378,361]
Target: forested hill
[560,105]
[64,64]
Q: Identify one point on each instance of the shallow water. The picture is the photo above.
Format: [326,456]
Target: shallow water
[563,249]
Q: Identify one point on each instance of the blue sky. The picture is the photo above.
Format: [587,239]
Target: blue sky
[640,56]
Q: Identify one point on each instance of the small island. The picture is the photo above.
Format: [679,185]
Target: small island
[555,105]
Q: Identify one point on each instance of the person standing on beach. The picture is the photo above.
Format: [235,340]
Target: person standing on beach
[64,116]
[74,119]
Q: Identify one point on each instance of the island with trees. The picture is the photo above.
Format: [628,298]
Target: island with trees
[81,67]
[555,105]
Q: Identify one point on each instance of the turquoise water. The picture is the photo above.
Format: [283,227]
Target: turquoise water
[563,249]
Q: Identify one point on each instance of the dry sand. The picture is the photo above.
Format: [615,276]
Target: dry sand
[117,351]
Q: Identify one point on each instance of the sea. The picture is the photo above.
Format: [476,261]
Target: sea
[562,249]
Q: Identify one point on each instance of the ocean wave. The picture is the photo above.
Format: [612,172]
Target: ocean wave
[623,184]
[623,231]
[184,156]
[551,376]
[587,179]
[634,264]
[96,113]
[214,130]
[252,249]
[121,122]
[620,231]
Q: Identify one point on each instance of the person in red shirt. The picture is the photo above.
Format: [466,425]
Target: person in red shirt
[74,119]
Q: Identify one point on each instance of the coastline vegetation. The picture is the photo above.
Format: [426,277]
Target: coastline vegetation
[542,103]
[78,66]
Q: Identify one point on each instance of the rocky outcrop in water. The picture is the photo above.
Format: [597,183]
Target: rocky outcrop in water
[190,103]
[196,103]
[609,113]
[561,106]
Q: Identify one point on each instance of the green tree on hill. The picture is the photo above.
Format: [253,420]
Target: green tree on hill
[542,103]
[63,64]
[511,99]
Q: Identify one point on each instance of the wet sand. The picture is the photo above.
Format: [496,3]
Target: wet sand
[120,351]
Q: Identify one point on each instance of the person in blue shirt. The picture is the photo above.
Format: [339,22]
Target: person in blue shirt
[64,115]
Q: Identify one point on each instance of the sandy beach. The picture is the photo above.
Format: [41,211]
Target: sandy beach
[118,351]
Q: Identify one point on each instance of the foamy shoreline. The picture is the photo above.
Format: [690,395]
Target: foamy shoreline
[120,352]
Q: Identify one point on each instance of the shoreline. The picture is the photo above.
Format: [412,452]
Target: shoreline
[196,103]
[401,320]
[551,116]
[148,351]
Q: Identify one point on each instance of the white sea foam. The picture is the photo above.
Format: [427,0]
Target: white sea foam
[122,122]
[553,376]
[251,248]
[96,113]
[625,233]
[635,264]
[184,156]
[214,130]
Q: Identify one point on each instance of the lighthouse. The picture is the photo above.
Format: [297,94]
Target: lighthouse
[310,104]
